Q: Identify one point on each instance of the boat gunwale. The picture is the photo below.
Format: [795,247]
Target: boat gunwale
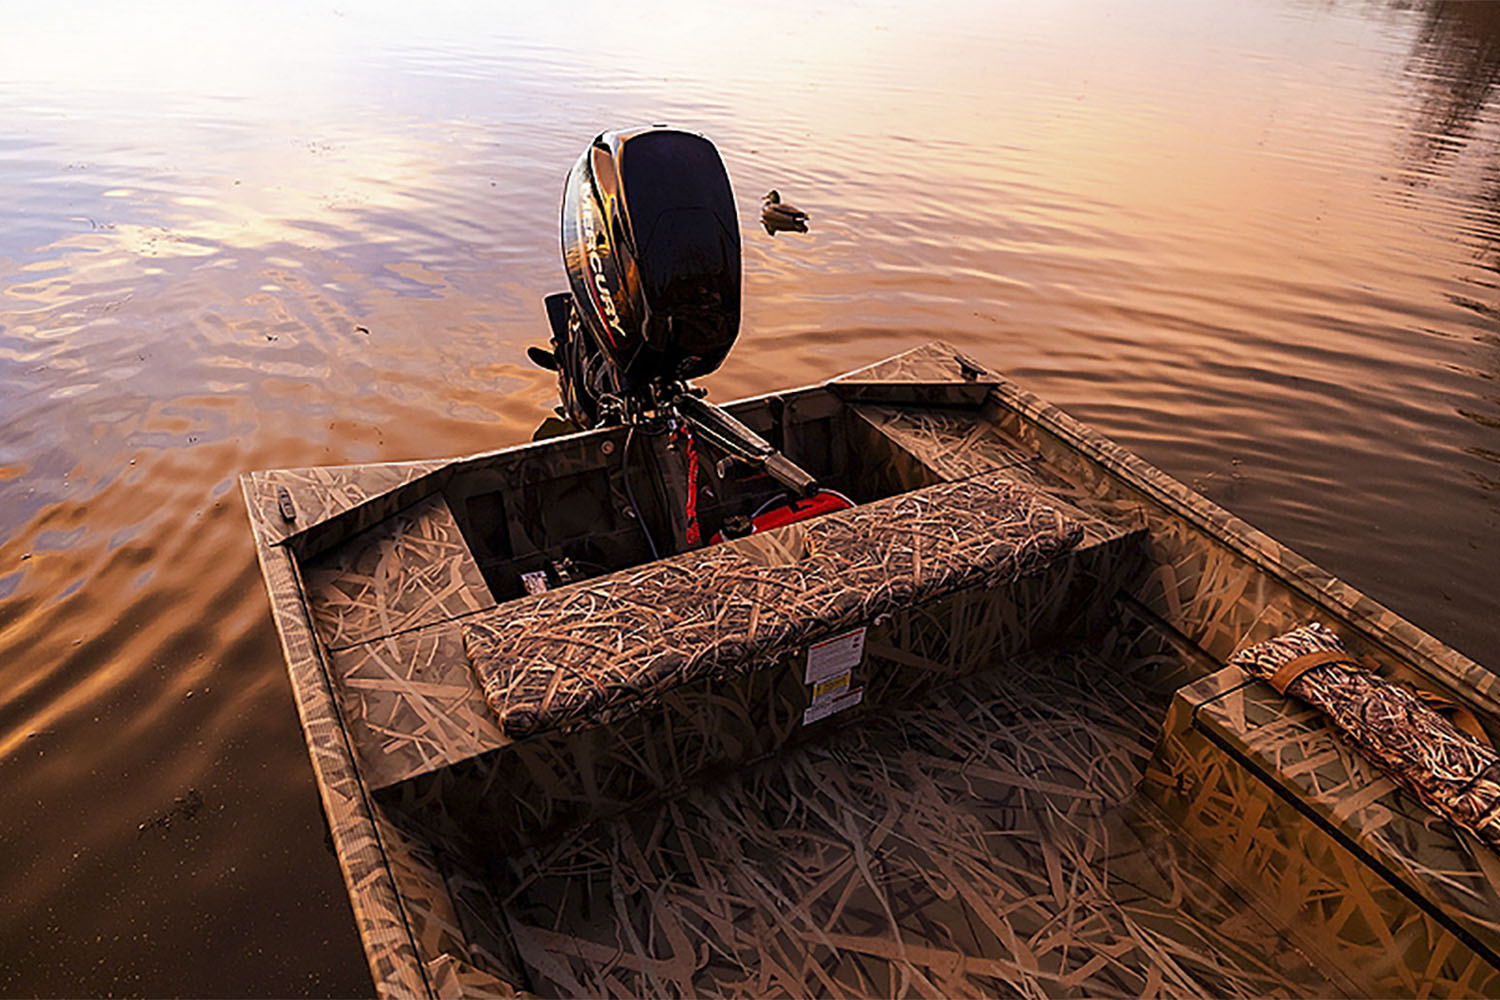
[351,822]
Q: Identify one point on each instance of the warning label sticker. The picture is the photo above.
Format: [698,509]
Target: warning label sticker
[823,708]
[832,657]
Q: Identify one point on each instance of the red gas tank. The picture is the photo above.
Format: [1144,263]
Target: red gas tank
[822,502]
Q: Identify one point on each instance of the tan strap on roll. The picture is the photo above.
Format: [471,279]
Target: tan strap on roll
[1462,719]
[1299,665]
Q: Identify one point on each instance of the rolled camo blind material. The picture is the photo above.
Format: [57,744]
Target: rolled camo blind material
[1449,771]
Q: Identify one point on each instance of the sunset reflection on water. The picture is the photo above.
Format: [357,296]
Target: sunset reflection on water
[1259,244]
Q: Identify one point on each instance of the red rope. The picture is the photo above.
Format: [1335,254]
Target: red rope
[693,536]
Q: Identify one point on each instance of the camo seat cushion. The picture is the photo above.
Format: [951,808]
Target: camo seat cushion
[587,653]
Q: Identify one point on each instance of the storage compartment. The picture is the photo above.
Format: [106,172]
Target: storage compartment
[576,517]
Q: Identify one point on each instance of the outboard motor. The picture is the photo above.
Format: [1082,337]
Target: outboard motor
[652,247]
[651,244]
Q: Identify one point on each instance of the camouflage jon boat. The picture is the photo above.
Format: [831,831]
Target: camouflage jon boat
[978,734]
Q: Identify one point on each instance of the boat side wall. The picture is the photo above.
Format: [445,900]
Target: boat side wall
[1220,582]
[389,947]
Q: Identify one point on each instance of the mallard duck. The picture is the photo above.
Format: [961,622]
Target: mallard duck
[779,217]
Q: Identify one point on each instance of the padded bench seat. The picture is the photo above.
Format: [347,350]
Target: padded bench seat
[579,655]
[624,688]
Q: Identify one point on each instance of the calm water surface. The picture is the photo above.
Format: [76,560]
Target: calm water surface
[1257,242]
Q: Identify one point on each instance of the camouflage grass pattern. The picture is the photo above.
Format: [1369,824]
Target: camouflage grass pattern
[320,494]
[1218,581]
[410,703]
[413,569]
[985,841]
[379,915]
[1452,773]
[1212,586]
[1303,757]
[1366,879]
[534,789]
[382,604]
[948,444]
[562,658]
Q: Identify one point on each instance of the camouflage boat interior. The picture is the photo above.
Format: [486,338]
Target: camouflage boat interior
[978,734]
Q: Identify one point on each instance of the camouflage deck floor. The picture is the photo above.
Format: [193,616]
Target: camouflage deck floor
[986,843]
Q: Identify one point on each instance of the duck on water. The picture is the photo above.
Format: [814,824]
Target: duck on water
[779,217]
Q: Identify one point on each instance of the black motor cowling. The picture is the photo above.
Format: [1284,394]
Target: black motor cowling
[651,243]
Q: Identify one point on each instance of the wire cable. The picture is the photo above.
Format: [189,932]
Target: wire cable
[630,494]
